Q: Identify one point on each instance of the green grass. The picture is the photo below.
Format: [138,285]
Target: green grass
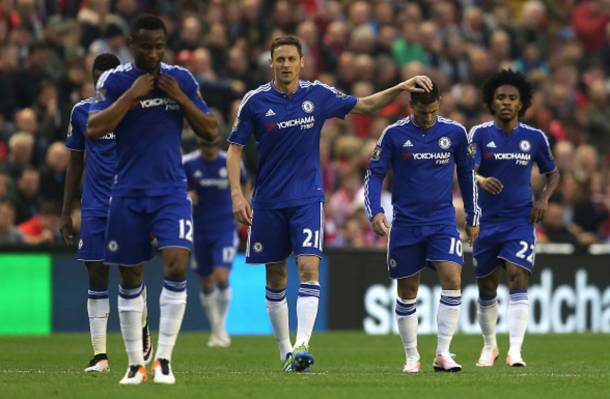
[348,365]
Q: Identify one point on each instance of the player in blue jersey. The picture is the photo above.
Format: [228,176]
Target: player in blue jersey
[286,116]
[101,162]
[423,150]
[215,238]
[505,151]
[144,103]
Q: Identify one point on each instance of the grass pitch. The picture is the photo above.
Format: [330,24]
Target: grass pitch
[348,365]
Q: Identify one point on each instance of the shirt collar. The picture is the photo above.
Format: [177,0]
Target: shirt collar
[417,126]
[281,92]
[515,130]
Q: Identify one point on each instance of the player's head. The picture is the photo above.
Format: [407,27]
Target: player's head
[425,106]
[209,149]
[507,94]
[286,59]
[147,41]
[103,63]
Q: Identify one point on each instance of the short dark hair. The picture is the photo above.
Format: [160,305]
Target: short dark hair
[508,77]
[147,22]
[104,62]
[427,97]
[287,41]
[37,45]
[50,208]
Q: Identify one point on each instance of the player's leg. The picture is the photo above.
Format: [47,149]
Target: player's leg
[307,236]
[277,309]
[449,274]
[488,271]
[223,301]
[225,246]
[128,245]
[131,307]
[487,315]
[519,254]
[445,253]
[407,322]
[91,251]
[518,311]
[406,260]
[269,243]
[172,225]
[98,309]
[202,263]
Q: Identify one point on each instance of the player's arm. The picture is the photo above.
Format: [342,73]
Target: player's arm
[74,174]
[241,207]
[103,121]
[467,178]
[202,123]
[540,206]
[373,183]
[372,103]
[546,164]
[490,184]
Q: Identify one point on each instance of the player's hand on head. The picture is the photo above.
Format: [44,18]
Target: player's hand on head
[492,185]
[65,228]
[380,224]
[169,86]
[242,211]
[143,85]
[418,84]
[538,211]
[472,232]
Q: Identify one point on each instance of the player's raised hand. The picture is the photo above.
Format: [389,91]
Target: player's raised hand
[143,85]
[418,84]
[538,210]
[380,223]
[241,210]
[491,184]
[472,232]
[170,86]
[65,228]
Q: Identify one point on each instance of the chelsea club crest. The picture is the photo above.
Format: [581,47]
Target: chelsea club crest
[308,106]
[525,145]
[444,142]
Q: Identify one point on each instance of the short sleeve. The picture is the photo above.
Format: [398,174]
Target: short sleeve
[75,137]
[105,93]
[244,124]
[193,92]
[544,155]
[337,104]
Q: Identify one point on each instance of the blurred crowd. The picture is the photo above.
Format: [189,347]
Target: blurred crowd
[47,49]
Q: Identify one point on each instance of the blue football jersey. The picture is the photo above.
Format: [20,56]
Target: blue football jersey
[509,158]
[423,163]
[211,182]
[100,161]
[287,133]
[148,137]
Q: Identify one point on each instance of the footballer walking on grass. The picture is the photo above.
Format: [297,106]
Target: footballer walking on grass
[423,150]
[145,103]
[99,172]
[505,151]
[215,239]
[286,116]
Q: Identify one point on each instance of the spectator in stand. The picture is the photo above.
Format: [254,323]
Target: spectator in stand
[4,184]
[114,41]
[44,227]
[599,117]
[25,121]
[217,44]
[26,81]
[25,196]
[21,146]
[589,20]
[53,173]
[340,208]
[553,230]
[9,233]
[48,114]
